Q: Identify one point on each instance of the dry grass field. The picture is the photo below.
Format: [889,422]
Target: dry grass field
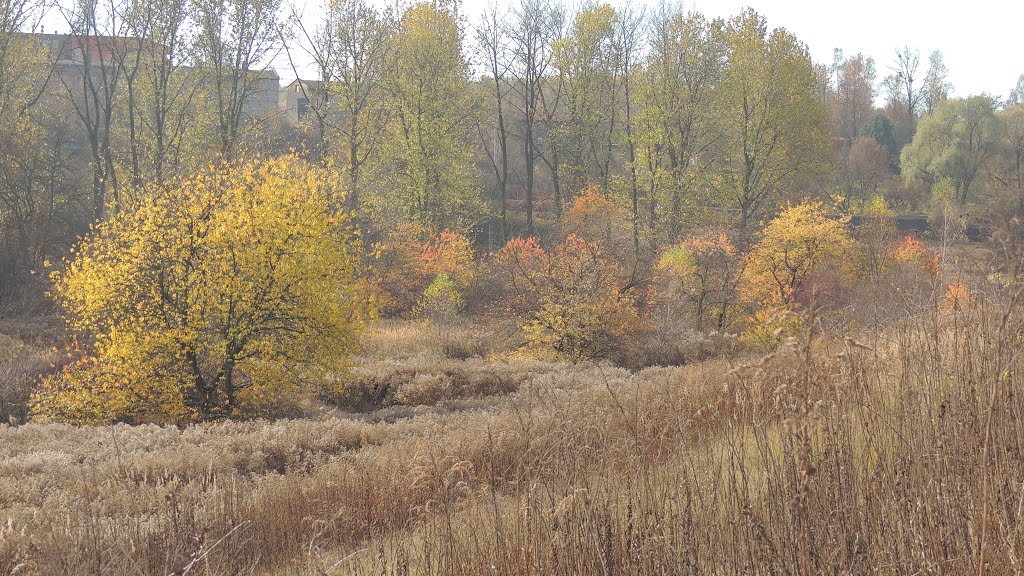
[536,288]
[899,454]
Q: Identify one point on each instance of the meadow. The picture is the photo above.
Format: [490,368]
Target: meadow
[886,452]
[541,288]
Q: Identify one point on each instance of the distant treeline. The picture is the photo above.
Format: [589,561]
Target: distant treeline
[489,127]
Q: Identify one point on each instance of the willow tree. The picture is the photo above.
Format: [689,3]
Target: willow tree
[957,141]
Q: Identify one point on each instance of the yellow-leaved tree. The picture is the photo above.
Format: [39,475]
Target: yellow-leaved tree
[792,249]
[228,293]
[576,301]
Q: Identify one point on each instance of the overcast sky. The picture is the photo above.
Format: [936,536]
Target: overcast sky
[982,40]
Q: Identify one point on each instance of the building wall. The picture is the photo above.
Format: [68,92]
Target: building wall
[71,54]
[263,103]
[294,101]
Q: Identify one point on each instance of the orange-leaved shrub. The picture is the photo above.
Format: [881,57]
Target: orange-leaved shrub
[410,259]
[910,252]
[702,271]
[447,256]
[516,270]
[448,253]
[594,217]
[396,277]
[574,300]
[957,296]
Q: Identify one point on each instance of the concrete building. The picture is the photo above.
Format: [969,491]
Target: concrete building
[263,102]
[76,55]
[72,50]
[294,99]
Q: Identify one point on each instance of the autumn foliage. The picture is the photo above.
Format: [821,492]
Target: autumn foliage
[574,301]
[448,253]
[659,293]
[796,249]
[410,260]
[799,242]
[957,296]
[704,270]
[231,292]
[594,217]
[912,253]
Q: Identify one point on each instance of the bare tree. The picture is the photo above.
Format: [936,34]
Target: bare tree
[237,40]
[492,46]
[91,72]
[905,68]
[536,26]
[904,93]
[15,16]
[160,86]
[317,43]
[349,46]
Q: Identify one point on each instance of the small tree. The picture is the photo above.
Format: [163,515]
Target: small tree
[583,311]
[397,275]
[910,252]
[517,268]
[706,269]
[877,234]
[222,294]
[791,248]
[573,298]
[441,301]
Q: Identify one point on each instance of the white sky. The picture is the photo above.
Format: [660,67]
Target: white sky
[982,41]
